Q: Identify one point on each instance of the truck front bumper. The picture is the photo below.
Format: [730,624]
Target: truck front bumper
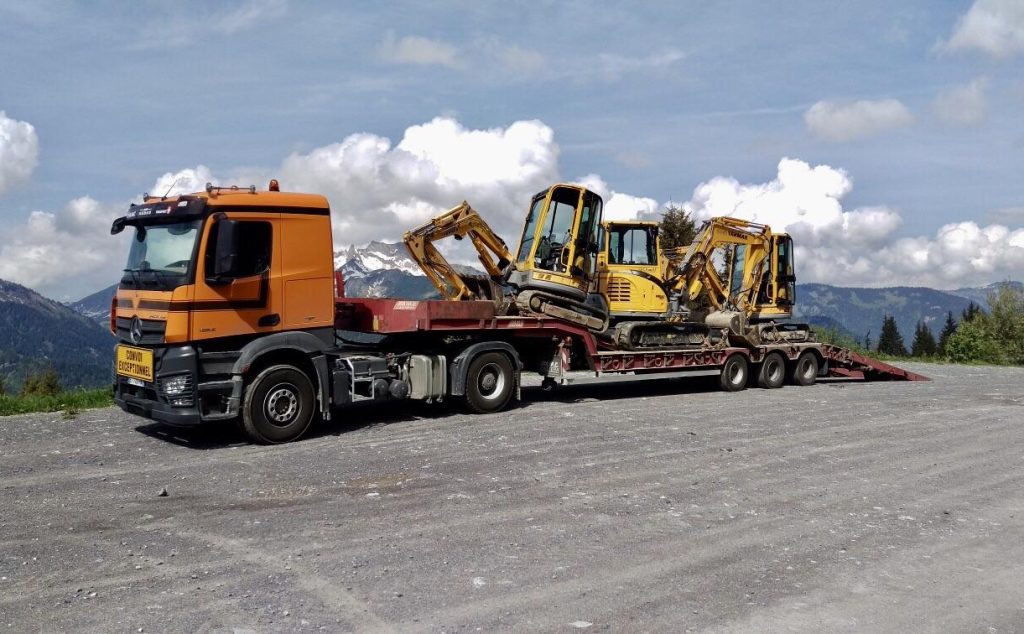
[149,401]
[155,410]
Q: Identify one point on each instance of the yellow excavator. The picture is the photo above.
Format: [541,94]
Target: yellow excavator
[614,279]
[553,273]
[735,274]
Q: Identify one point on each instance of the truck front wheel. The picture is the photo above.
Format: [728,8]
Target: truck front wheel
[278,405]
[490,383]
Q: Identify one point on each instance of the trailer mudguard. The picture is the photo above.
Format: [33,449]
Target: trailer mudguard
[459,366]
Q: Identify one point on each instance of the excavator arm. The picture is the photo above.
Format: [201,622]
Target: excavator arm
[693,270]
[458,222]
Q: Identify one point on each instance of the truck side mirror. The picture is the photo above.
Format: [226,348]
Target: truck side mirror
[225,253]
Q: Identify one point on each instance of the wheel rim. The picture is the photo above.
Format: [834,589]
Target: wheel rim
[774,370]
[281,404]
[490,382]
[807,369]
[735,372]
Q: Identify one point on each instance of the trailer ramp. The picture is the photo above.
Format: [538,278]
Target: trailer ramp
[845,363]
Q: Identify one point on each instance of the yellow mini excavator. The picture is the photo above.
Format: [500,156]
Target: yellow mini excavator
[735,274]
[553,272]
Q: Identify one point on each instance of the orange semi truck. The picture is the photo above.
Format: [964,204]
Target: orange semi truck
[229,309]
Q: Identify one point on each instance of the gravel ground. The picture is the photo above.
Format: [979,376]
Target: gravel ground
[661,507]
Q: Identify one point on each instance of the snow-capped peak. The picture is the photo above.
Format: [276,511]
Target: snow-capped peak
[356,262]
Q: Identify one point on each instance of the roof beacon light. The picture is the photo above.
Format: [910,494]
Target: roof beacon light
[274,185]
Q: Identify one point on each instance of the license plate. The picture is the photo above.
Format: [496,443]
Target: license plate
[136,363]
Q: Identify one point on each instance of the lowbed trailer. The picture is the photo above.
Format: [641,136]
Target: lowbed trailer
[553,348]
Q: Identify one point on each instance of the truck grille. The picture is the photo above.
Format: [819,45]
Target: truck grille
[618,290]
[152,331]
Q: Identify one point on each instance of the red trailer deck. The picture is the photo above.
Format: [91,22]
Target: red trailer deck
[385,316]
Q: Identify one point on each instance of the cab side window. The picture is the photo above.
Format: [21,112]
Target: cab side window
[255,242]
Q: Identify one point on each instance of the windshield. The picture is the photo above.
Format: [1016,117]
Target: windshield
[531,226]
[631,245]
[161,256]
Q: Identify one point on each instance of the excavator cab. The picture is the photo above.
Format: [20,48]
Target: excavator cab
[631,270]
[555,269]
[777,294]
[558,249]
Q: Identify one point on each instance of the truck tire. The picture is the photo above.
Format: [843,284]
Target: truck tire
[278,406]
[734,373]
[490,383]
[805,370]
[772,373]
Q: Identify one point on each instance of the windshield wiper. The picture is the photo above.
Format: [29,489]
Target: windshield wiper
[134,274]
[139,281]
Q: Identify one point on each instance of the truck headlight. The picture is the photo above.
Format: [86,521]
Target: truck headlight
[177,389]
[176,385]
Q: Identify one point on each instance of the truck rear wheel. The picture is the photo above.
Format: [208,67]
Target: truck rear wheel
[278,405]
[772,373]
[734,373]
[490,383]
[805,370]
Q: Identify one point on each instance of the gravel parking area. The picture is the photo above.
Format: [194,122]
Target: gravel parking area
[643,507]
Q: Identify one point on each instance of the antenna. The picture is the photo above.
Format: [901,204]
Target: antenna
[176,181]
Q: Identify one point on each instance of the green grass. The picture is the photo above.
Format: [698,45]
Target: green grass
[68,402]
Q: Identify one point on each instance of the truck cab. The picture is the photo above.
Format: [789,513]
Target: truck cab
[212,275]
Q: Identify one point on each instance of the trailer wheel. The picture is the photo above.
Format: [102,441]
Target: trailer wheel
[773,371]
[490,383]
[734,373]
[805,370]
[278,405]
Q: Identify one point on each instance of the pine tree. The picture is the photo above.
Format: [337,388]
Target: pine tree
[890,341]
[676,229]
[970,312]
[3,386]
[924,341]
[867,340]
[947,331]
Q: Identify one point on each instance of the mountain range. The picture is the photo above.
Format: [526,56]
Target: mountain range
[383,269]
[35,331]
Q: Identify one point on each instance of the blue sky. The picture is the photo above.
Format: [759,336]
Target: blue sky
[919,106]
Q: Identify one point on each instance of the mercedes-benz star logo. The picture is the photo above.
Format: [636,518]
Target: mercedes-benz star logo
[135,330]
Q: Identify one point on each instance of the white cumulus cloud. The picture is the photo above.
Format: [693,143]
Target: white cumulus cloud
[19,151]
[185,181]
[617,205]
[856,247]
[378,190]
[847,121]
[963,105]
[65,254]
[992,27]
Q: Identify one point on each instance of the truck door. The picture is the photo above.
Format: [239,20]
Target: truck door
[240,295]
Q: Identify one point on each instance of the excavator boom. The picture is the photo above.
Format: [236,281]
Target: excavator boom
[458,222]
